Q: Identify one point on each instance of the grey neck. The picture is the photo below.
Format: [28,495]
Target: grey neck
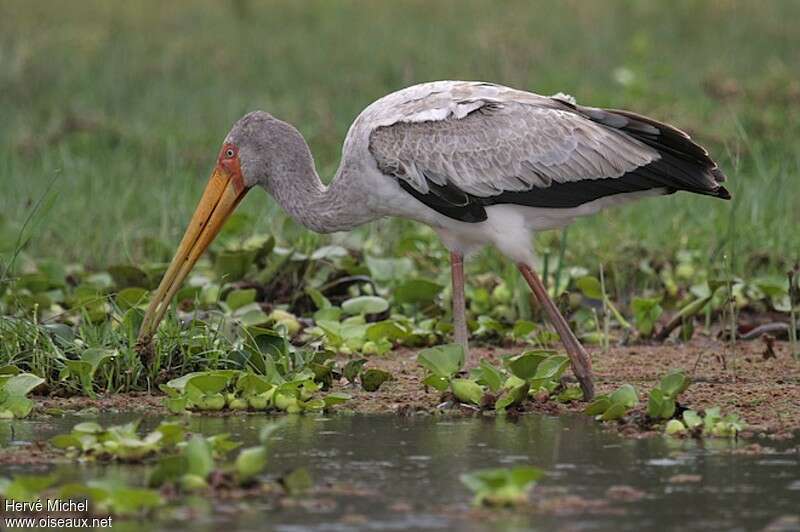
[296,186]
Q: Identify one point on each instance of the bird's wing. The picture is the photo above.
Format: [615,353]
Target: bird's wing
[458,151]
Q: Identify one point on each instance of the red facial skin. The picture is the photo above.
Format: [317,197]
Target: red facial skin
[231,166]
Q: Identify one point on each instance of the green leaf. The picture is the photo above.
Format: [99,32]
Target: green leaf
[436,382]
[646,312]
[372,379]
[443,361]
[692,419]
[489,375]
[129,298]
[353,368]
[674,426]
[467,391]
[126,276]
[674,383]
[333,399]
[21,384]
[297,482]
[250,463]
[501,486]
[28,487]
[525,365]
[572,393]
[365,305]
[655,403]
[198,455]
[239,298]
[600,404]
[128,501]
[18,405]
[551,368]
[417,292]
[512,397]
[615,411]
[590,287]
[209,383]
[386,330]
[523,328]
[625,395]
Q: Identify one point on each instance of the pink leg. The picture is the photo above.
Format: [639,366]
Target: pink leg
[461,334]
[581,363]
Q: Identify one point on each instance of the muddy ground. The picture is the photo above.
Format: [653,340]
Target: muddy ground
[763,390]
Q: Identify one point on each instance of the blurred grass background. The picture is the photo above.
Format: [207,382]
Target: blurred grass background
[122,106]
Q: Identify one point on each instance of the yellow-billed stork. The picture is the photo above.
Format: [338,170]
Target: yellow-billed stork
[480,163]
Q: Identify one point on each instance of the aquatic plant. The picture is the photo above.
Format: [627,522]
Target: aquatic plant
[501,486]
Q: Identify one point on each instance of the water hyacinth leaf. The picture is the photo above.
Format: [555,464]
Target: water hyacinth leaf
[436,382]
[66,441]
[625,395]
[655,403]
[372,379]
[522,328]
[232,265]
[525,365]
[386,330]
[389,269]
[572,393]
[129,501]
[252,384]
[353,368]
[512,397]
[417,292]
[615,411]
[646,312]
[365,305]
[19,406]
[199,458]
[551,368]
[467,391]
[674,383]
[168,469]
[129,276]
[590,287]
[336,398]
[129,298]
[250,463]
[297,482]
[171,433]
[239,298]
[209,383]
[489,375]
[692,419]
[28,487]
[501,486]
[598,406]
[674,427]
[21,384]
[443,361]
[319,300]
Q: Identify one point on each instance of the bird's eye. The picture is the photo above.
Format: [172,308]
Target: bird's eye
[229,153]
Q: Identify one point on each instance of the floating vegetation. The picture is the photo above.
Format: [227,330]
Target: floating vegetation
[501,486]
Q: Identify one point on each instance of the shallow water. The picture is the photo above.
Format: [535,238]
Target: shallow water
[402,473]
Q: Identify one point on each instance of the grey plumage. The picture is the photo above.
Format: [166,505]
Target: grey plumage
[458,146]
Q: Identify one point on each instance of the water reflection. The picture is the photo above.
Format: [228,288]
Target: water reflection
[404,473]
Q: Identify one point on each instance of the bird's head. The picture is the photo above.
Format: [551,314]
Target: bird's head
[258,146]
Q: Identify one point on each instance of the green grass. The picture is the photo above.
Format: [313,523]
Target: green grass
[124,106]
[112,116]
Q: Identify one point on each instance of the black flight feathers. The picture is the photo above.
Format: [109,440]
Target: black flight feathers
[684,165]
